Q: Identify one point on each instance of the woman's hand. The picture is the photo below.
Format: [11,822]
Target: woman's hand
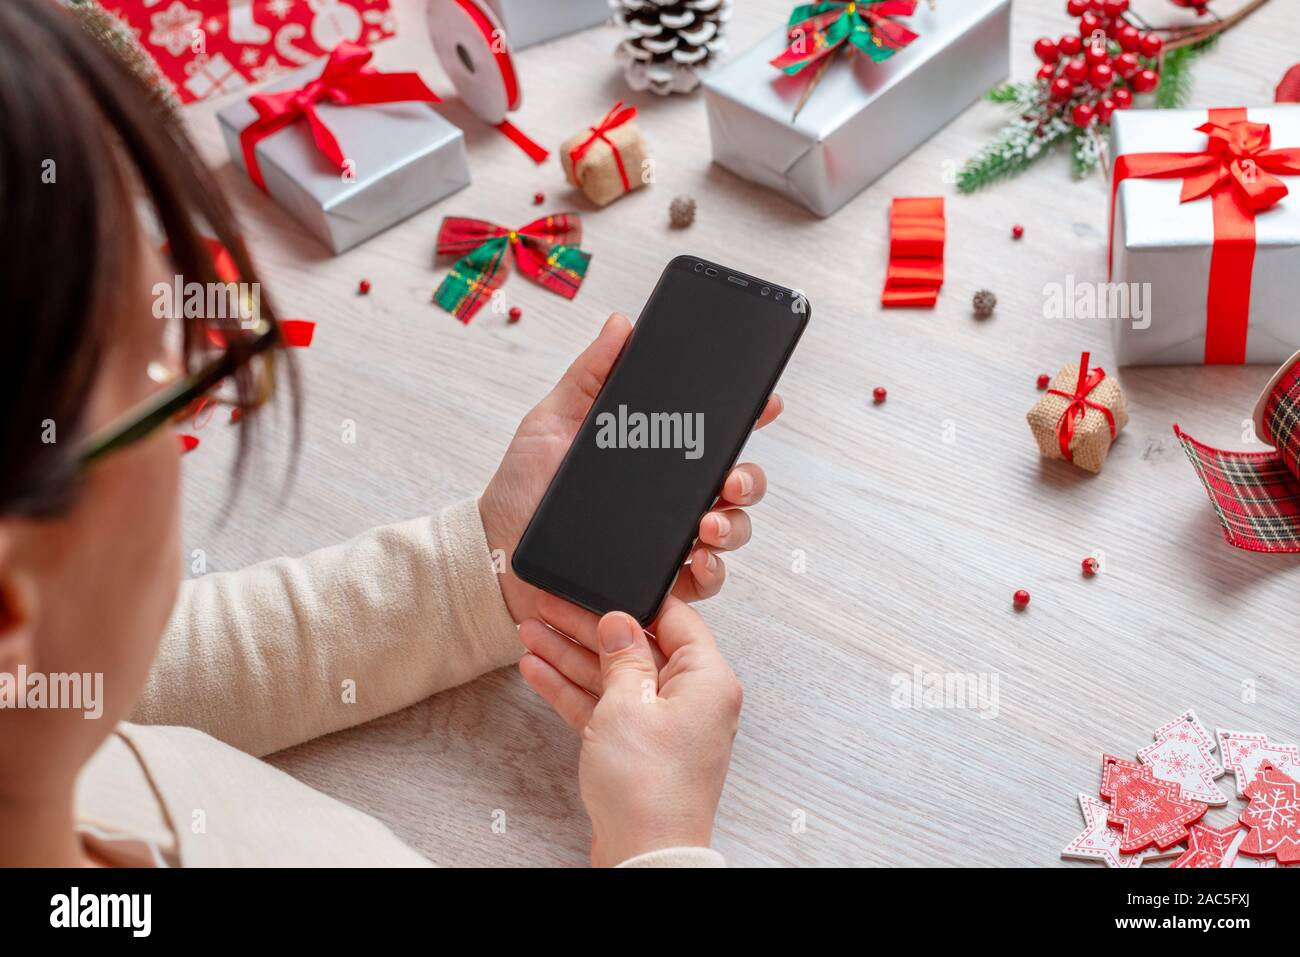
[539,446]
[657,719]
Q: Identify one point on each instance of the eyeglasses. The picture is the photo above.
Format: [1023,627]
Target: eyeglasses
[179,396]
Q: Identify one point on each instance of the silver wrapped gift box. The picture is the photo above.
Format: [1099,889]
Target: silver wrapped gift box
[862,117]
[1164,246]
[527,22]
[404,156]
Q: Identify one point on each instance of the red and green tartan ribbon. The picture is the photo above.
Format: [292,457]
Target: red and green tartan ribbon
[817,30]
[546,251]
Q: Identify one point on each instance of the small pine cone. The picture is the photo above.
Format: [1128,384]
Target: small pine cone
[681,212]
[983,303]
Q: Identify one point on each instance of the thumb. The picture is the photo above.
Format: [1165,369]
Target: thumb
[627,666]
[577,390]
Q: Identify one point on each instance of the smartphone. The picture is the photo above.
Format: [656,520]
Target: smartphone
[649,460]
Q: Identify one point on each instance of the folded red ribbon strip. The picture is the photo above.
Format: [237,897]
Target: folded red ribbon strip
[345,80]
[616,117]
[1238,171]
[1079,405]
[916,241]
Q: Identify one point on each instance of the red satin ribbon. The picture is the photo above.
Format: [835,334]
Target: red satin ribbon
[1079,406]
[1238,171]
[616,117]
[346,80]
[916,240]
[536,152]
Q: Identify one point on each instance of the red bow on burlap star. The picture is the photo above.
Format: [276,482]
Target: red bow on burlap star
[345,80]
[546,251]
[1079,405]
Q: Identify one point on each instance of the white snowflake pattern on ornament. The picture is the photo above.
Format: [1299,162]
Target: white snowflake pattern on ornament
[1276,809]
[1144,805]
[173,28]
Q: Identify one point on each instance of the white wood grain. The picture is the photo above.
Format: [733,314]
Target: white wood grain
[913,545]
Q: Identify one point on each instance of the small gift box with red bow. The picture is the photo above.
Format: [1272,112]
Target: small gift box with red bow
[608,159]
[1205,236]
[346,149]
[1080,415]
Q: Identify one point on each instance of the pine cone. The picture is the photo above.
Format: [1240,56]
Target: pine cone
[983,303]
[681,212]
[670,41]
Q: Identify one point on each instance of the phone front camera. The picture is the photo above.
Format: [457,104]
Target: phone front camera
[766,290]
[699,266]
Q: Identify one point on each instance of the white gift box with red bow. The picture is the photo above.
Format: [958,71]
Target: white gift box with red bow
[1205,217]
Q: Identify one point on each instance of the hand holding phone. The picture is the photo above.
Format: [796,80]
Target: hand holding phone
[538,448]
[654,450]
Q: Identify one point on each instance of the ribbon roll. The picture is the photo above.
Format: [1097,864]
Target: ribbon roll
[473,48]
[916,239]
[1257,494]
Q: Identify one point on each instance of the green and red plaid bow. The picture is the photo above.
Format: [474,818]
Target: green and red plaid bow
[546,250]
[817,30]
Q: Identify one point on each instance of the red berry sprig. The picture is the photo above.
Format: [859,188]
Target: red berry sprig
[1090,74]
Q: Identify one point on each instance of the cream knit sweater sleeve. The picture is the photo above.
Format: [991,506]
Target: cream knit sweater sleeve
[292,649]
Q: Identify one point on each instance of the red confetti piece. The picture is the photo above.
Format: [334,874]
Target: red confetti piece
[188,443]
[297,333]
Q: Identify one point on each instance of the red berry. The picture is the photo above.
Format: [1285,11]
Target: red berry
[1062,89]
[1090,566]
[1096,53]
[1114,8]
[1021,599]
[1123,98]
[1045,50]
[1017,231]
[363,287]
[1076,71]
[1082,114]
[1076,8]
[878,394]
[1104,110]
[1089,23]
[1102,76]
[1150,45]
[539,198]
[1144,81]
[1044,380]
[1127,64]
[1046,72]
[188,443]
[1128,38]
[1070,44]
[515,313]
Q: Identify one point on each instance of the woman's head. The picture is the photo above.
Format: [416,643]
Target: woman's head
[94,181]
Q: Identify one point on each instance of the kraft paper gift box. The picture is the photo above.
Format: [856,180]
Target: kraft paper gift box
[404,157]
[863,117]
[527,22]
[1078,419]
[1223,276]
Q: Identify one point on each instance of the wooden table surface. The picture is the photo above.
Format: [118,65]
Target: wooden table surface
[892,538]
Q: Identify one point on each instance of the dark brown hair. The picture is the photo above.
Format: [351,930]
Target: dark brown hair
[69,107]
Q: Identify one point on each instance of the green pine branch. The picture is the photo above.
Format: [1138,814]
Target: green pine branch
[1175,89]
[1019,145]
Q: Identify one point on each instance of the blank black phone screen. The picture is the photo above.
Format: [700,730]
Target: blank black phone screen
[650,458]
